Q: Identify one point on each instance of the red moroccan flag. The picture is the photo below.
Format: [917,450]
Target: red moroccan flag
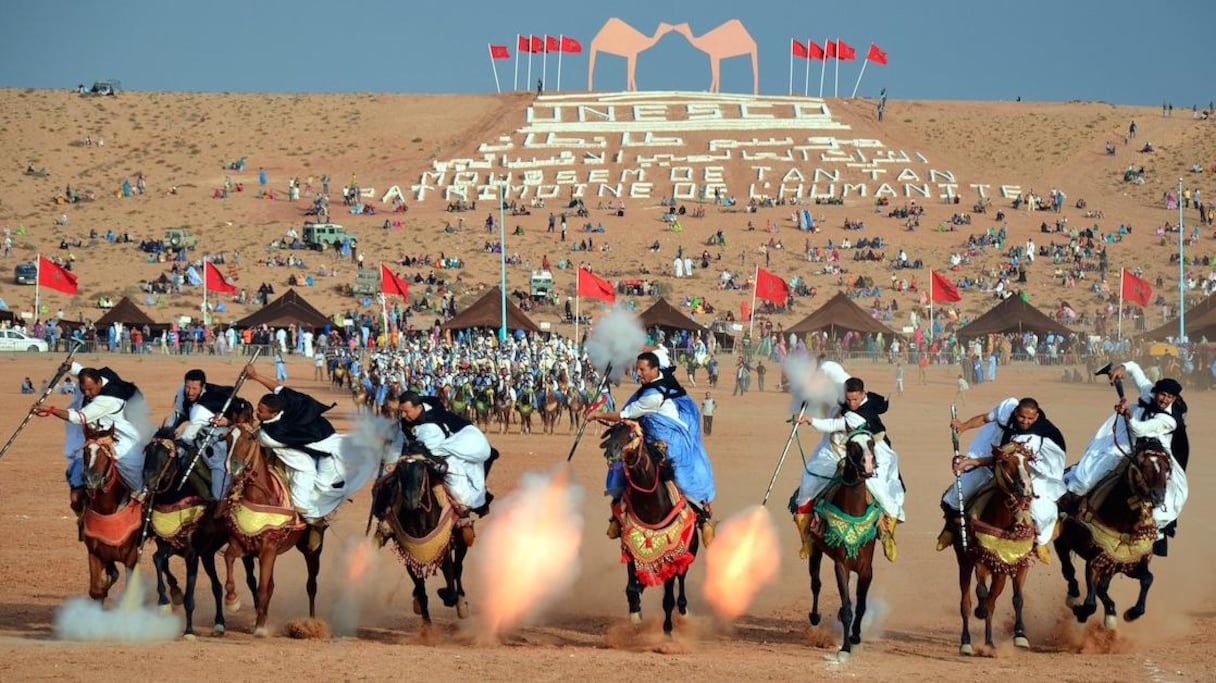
[571,46]
[943,290]
[538,44]
[1136,289]
[829,51]
[847,52]
[816,51]
[799,50]
[391,284]
[499,52]
[551,44]
[55,277]
[771,288]
[877,56]
[215,280]
[523,44]
[593,286]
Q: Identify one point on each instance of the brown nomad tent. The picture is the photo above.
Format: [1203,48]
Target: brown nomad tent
[1200,323]
[126,313]
[487,312]
[666,316]
[1012,315]
[285,310]
[840,315]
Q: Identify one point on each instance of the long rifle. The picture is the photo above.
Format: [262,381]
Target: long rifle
[213,431]
[784,452]
[64,368]
[599,392]
[958,480]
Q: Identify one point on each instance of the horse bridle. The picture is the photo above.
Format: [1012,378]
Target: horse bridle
[101,482]
[859,467]
[1021,459]
[1136,480]
[637,446]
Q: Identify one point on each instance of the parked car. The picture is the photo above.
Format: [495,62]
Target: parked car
[25,274]
[319,236]
[12,340]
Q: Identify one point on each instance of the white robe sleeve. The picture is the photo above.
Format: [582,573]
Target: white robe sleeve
[1144,385]
[98,408]
[829,425]
[200,417]
[430,436]
[647,403]
[1159,425]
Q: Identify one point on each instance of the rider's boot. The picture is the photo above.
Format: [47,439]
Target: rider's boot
[886,533]
[946,538]
[804,520]
[467,534]
[704,521]
[1043,553]
[614,527]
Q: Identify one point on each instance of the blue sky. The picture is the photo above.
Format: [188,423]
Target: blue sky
[1114,50]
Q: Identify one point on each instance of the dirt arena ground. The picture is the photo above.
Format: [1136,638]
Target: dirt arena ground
[913,633]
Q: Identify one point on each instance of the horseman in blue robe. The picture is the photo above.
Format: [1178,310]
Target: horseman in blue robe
[668,415]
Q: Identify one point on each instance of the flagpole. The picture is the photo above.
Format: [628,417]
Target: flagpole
[930,307]
[836,88]
[751,314]
[792,41]
[37,288]
[1181,275]
[494,67]
[502,257]
[530,37]
[544,60]
[1121,272]
[560,38]
[515,83]
[823,71]
[578,300]
[863,72]
[384,309]
[806,82]
[204,292]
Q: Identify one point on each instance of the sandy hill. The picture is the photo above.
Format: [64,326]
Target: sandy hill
[185,140]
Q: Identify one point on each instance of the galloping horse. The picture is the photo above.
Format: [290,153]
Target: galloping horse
[111,517]
[659,536]
[503,407]
[1000,538]
[525,405]
[184,524]
[1112,528]
[550,409]
[483,406]
[263,524]
[576,402]
[848,517]
[414,505]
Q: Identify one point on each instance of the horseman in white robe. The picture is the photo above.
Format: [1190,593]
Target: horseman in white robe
[323,468]
[197,403]
[858,410]
[1157,414]
[1024,422]
[459,443]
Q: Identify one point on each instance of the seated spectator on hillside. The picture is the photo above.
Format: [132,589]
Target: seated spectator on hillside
[27,387]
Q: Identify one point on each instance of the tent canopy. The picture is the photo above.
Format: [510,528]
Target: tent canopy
[663,314]
[1012,315]
[487,312]
[1200,322]
[286,310]
[840,314]
[126,313]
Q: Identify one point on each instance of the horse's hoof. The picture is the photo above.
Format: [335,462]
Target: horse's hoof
[417,607]
[175,596]
[166,609]
[1132,614]
[218,630]
[1072,600]
[232,606]
[261,632]
[856,640]
[189,637]
[842,656]
[462,608]
[1021,641]
[815,618]
[1110,622]
[635,617]
[966,650]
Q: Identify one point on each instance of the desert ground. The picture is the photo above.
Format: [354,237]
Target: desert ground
[186,140]
[912,635]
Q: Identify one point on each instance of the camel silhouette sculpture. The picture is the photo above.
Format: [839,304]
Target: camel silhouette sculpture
[618,38]
[727,40]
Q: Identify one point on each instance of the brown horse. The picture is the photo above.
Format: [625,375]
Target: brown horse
[845,529]
[503,407]
[418,516]
[483,407]
[525,405]
[659,535]
[550,410]
[263,524]
[1000,540]
[575,406]
[1112,528]
[111,518]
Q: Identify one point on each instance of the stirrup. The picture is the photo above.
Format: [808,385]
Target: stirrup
[614,528]
[707,533]
[1043,553]
[945,539]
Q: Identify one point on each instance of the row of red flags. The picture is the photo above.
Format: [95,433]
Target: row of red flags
[54,276]
[538,45]
[834,49]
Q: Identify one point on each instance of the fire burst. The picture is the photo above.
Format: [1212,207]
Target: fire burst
[529,550]
[743,558]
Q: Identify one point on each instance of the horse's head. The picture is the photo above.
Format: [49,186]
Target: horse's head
[622,441]
[1149,470]
[859,459]
[246,449]
[413,477]
[100,471]
[160,459]
[1011,465]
